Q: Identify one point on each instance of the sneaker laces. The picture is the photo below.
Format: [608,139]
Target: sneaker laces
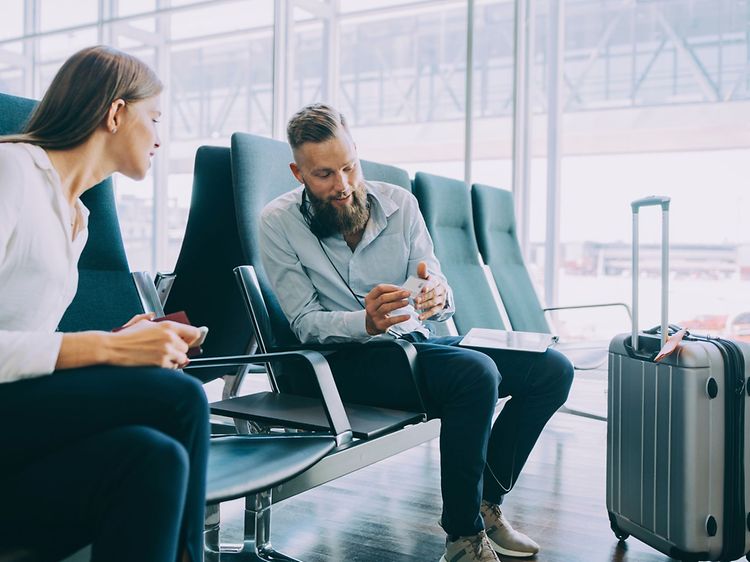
[479,543]
[495,510]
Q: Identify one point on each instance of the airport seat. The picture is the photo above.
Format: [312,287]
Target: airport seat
[260,173]
[453,216]
[498,244]
[204,286]
[446,207]
[495,224]
[220,235]
[376,171]
[202,283]
[239,465]
[15,113]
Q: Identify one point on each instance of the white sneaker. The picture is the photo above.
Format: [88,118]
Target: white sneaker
[476,548]
[503,537]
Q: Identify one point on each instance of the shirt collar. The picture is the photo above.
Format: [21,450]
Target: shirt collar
[42,161]
[382,199]
[39,155]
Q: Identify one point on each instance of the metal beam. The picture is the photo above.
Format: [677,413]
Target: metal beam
[159,11]
[149,38]
[31,47]
[160,240]
[469,112]
[555,63]
[14,59]
[737,83]
[707,86]
[524,31]
[597,50]
[281,66]
[332,54]
[318,8]
[648,68]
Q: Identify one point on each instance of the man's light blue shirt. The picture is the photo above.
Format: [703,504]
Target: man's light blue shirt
[316,301]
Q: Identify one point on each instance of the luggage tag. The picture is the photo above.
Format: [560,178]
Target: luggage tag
[672,343]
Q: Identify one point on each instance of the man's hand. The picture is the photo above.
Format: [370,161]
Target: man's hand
[379,303]
[431,300]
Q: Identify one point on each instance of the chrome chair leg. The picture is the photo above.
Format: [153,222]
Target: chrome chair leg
[211,525]
[257,544]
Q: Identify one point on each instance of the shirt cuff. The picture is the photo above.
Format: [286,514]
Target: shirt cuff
[46,349]
[356,325]
[30,354]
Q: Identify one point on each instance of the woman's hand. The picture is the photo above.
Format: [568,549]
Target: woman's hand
[142,342]
[139,317]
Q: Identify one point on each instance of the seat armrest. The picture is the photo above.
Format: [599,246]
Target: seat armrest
[259,317]
[331,400]
[596,305]
[144,284]
[590,306]
[408,355]
[163,283]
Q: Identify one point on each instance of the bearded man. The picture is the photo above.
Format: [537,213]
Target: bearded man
[337,251]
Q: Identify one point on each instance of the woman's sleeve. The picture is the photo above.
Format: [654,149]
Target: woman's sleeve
[11,198]
[22,354]
[28,354]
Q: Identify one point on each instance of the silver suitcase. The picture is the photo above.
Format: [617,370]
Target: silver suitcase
[677,464]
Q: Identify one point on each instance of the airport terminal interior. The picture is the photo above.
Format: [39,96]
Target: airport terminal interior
[571,109]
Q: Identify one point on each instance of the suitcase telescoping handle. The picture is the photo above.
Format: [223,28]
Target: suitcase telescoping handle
[652,201]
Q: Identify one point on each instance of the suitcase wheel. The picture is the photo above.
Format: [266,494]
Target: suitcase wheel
[619,533]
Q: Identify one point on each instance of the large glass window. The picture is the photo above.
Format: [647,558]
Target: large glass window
[493,94]
[402,85]
[11,24]
[655,102]
[655,99]
[59,14]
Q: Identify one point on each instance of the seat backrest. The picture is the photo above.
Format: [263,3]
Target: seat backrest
[260,172]
[446,206]
[384,172]
[204,284]
[103,268]
[495,224]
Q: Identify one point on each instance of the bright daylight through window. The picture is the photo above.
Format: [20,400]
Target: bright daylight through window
[654,100]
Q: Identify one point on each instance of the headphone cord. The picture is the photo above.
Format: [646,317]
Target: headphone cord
[359,298]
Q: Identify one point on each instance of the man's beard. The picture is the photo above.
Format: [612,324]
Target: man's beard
[328,220]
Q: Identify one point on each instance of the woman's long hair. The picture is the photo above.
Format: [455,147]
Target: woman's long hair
[81,93]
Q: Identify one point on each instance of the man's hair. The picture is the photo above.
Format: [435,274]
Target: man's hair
[316,123]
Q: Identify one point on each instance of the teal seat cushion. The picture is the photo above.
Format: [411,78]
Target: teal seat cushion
[15,113]
[374,171]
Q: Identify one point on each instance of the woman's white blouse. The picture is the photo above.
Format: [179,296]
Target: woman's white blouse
[38,261]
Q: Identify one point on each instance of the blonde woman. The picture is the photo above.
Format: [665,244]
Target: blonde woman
[102,439]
